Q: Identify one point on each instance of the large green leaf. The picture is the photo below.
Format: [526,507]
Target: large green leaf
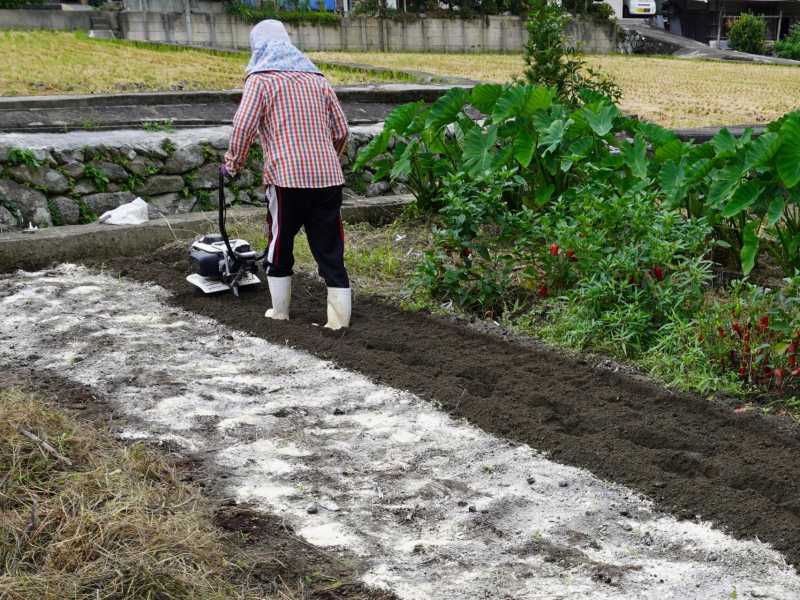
[377,146]
[749,246]
[479,150]
[635,155]
[446,109]
[601,118]
[724,142]
[656,134]
[787,160]
[522,100]
[524,146]
[724,183]
[402,116]
[761,150]
[402,163]
[672,150]
[673,182]
[484,96]
[698,169]
[743,198]
[775,210]
[550,138]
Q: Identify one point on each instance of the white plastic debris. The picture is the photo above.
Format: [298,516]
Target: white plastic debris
[132,213]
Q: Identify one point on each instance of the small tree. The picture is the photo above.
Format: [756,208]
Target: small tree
[789,47]
[551,61]
[747,34]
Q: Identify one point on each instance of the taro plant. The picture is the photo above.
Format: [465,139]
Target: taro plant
[745,187]
[553,146]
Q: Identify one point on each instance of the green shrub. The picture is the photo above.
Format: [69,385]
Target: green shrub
[747,34]
[478,242]
[639,266]
[270,10]
[748,336]
[551,61]
[789,47]
[12,4]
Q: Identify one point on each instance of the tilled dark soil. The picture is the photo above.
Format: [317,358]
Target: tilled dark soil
[693,457]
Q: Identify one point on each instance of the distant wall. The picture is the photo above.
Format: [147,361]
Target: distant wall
[206,25]
[490,34]
[199,6]
[65,20]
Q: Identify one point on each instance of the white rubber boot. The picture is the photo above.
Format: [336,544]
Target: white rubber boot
[280,290]
[339,307]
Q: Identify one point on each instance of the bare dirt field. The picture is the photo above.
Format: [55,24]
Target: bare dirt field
[483,502]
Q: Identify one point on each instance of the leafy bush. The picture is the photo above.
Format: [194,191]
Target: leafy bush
[749,336]
[789,47]
[12,4]
[550,61]
[639,266]
[747,34]
[251,14]
[755,333]
[478,242]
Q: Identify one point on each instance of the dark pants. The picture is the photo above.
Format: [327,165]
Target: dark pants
[319,211]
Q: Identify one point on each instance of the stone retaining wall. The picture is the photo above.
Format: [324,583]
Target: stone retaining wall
[73,178]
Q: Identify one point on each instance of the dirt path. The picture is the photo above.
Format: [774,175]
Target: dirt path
[434,507]
[691,456]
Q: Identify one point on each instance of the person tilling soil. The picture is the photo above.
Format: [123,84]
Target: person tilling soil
[303,131]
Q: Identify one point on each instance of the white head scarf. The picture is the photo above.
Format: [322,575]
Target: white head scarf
[272,50]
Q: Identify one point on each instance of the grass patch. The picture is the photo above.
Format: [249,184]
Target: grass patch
[52,62]
[378,259]
[103,521]
[669,91]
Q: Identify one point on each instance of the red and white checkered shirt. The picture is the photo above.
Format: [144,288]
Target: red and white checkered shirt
[302,128]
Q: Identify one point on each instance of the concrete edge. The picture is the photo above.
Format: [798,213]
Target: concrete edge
[77,242]
[374,93]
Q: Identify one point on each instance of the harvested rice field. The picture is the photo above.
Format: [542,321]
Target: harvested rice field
[669,91]
[49,62]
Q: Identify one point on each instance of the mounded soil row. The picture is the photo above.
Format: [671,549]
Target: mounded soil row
[692,456]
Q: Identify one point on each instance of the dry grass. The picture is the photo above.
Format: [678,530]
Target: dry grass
[50,62]
[671,92]
[116,524]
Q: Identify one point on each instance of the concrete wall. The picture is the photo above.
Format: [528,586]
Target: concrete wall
[495,34]
[51,19]
[204,25]
[200,6]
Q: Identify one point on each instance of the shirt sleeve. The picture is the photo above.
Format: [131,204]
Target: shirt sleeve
[245,124]
[339,128]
